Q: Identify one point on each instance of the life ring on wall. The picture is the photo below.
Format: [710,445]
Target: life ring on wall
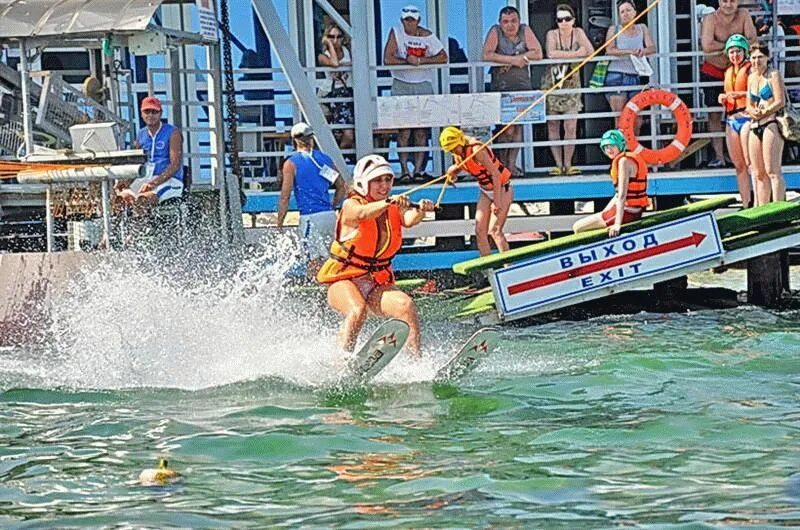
[683,118]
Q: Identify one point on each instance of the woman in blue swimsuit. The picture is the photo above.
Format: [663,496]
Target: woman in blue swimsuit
[765,98]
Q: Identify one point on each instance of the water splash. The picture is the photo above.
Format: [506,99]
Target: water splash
[146,319]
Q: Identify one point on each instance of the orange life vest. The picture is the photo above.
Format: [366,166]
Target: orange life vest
[737,82]
[481,173]
[369,250]
[637,186]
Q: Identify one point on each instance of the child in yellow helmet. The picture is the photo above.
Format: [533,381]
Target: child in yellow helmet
[494,179]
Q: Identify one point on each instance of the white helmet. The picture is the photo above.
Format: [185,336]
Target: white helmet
[368,168]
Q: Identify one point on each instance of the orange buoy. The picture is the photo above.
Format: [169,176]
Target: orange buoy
[683,118]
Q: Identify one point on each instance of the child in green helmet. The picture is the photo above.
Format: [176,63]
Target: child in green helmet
[629,175]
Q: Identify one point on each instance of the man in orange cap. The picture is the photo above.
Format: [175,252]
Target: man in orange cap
[163,145]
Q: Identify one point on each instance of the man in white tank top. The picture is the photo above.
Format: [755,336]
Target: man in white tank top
[414,45]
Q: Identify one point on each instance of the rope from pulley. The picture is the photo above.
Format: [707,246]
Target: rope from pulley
[232,117]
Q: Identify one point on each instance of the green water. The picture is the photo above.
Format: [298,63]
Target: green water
[679,420]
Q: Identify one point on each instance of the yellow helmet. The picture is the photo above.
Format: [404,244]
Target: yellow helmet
[451,138]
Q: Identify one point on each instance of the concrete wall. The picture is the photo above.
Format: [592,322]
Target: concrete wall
[27,285]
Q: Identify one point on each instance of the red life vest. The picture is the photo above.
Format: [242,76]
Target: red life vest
[369,250]
[481,173]
[737,82]
[637,186]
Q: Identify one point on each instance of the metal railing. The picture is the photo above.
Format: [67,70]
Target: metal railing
[270,140]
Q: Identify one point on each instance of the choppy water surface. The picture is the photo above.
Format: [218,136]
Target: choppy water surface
[678,420]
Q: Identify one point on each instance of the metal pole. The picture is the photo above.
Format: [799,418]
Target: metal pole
[106,213]
[474,44]
[364,90]
[27,125]
[48,217]
[776,57]
[216,121]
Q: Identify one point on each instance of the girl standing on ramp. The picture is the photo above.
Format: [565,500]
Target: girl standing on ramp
[734,99]
[494,179]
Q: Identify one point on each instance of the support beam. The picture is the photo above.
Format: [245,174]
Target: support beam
[175,92]
[298,82]
[363,92]
[48,217]
[340,21]
[25,80]
[474,44]
[767,277]
[216,122]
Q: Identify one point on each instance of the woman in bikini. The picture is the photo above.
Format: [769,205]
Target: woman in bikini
[765,98]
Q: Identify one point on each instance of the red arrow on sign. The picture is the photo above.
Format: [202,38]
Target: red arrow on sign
[695,239]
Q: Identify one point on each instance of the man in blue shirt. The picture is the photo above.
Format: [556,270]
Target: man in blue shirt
[163,145]
[310,173]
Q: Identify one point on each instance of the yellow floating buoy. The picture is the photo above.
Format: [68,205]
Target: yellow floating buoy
[160,476]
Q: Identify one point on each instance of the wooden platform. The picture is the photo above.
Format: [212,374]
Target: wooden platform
[560,192]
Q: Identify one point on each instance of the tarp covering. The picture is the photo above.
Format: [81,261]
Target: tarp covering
[43,18]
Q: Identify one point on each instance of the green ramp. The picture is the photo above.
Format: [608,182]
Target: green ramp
[584,238]
[756,219]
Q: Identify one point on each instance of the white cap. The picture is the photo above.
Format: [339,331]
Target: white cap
[703,10]
[302,130]
[410,11]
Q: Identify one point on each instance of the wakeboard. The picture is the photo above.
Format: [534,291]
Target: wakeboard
[384,343]
[467,358]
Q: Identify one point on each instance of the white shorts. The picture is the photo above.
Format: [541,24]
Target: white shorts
[171,189]
[316,232]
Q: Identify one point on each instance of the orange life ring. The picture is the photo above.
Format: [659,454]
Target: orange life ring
[683,118]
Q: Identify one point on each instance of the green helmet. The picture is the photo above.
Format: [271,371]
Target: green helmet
[613,137]
[737,40]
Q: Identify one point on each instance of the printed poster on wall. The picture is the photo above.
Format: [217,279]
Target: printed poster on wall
[438,110]
[208,20]
[788,7]
[512,104]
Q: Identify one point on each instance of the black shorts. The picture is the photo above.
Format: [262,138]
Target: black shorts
[711,93]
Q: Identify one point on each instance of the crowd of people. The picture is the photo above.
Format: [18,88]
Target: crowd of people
[412,50]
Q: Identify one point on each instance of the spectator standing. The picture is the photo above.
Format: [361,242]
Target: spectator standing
[765,98]
[513,46]
[624,71]
[564,42]
[734,100]
[310,173]
[716,27]
[335,53]
[412,44]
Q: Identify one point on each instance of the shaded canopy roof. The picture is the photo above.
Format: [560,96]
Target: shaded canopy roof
[43,18]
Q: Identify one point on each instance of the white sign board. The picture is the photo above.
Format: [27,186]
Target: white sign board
[208,20]
[788,7]
[546,279]
[521,104]
[469,110]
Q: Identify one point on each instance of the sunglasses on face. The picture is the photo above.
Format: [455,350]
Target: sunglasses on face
[151,111]
[335,36]
[564,19]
